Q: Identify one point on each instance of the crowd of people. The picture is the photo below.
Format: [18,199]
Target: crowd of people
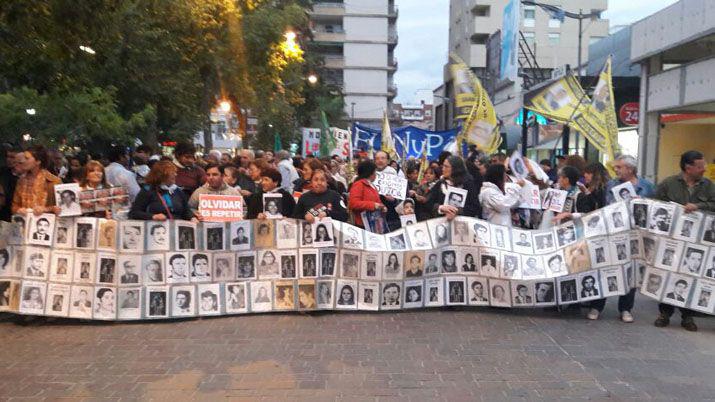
[164,187]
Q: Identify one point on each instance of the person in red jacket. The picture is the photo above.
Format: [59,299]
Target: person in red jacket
[363,195]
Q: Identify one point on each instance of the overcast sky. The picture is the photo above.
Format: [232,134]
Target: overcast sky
[423,27]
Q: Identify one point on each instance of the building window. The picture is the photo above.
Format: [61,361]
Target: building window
[554,23]
[529,38]
[529,16]
[479,39]
[481,10]
[554,39]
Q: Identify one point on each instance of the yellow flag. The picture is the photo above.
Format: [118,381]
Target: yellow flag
[603,110]
[480,126]
[387,143]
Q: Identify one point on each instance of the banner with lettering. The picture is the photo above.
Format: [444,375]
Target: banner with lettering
[409,140]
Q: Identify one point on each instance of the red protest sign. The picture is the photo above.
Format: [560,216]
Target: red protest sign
[221,208]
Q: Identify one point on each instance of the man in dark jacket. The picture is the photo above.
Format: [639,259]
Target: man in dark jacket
[189,176]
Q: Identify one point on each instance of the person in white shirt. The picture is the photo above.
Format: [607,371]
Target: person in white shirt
[118,175]
[496,200]
[287,170]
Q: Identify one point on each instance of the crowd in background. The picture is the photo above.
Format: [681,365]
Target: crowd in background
[164,187]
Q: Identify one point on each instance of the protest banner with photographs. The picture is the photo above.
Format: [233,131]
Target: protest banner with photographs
[349,269]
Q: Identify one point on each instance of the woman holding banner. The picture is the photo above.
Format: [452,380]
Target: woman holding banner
[93,178]
[270,183]
[454,174]
[363,194]
[160,198]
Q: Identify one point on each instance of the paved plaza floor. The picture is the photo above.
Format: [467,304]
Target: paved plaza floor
[443,354]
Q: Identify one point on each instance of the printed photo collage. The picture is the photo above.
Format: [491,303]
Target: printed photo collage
[130,270]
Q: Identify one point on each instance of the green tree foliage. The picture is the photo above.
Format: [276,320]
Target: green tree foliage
[159,68]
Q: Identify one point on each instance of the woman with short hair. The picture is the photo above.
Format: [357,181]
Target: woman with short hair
[160,198]
[363,194]
[454,174]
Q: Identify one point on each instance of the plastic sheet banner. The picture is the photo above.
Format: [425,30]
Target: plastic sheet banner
[311,142]
[89,268]
[410,141]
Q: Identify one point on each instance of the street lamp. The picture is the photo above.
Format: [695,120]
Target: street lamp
[291,48]
[30,111]
[312,79]
[225,106]
[559,14]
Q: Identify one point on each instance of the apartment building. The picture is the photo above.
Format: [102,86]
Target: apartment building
[357,39]
[554,43]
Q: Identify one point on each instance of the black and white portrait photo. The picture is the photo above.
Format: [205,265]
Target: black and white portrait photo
[500,294]
[239,235]
[617,217]
[261,296]
[209,302]
[480,231]
[517,165]
[350,263]
[620,248]
[306,234]
[488,263]
[224,266]
[703,299]
[544,293]
[157,302]
[213,235]
[448,260]
[200,267]
[84,267]
[129,269]
[286,233]
[460,232]
[467,261]
[158,236]
[396,241]
[129,303]
[568,293]
[374,241]
[268,265]
[272,205]
[308,263]
[183,301]
[511,266]
[612,281]
[153,269]
[661,218]
[414,264]
[352,237]
[264,233]
[346,294]
[368,296]
[708,236]
[105,303]
[687,227]
[185,236]
[532,267]
[650,247]
[390,295]
[58,300]
[669,254]
[246,265]
[370,265]
[556,264]
[323,233]
[709,266]
[565,234]
[455,197]
[106,269]
[544,242]
[522,294]
[439,229]
[177,267]
[236,298]
[61,265]
[41,229]
[456,290]
[594,224]
[289,266]
[325,293]
[64,233]
[392,265]
[419,236]
[477,294]
[653,282]
[432,263]
[81,298]
[327,262]
[639,213]
[693,260]
[588,286]
[306,295]
[599,249]
[413,294]
[522,241]
[677,290]
[434,292]
[131,236]
[18,230]
[37,262]
[624,192]
[67,198]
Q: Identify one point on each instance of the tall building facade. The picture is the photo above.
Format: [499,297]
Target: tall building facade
[552,42]
[357,40]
